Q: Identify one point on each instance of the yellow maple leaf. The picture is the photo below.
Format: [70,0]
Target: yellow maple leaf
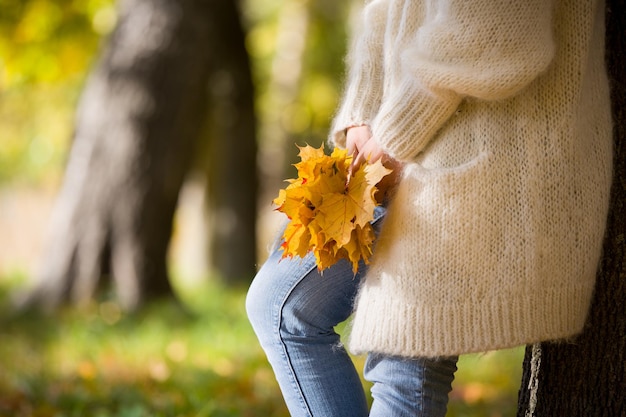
[296,239]
[342,212]
[360,246]
[329,210]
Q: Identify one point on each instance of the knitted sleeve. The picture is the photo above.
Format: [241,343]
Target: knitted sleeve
[487,49]
[362,96]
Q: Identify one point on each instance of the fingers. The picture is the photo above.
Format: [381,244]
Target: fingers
[356,138]
[363,147]
[369,152]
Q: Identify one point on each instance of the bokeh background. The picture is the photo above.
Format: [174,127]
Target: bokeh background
[87,332]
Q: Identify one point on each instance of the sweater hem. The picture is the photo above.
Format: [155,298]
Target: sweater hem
[469,327]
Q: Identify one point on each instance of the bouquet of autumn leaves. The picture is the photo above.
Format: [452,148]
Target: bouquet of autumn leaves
[330,207]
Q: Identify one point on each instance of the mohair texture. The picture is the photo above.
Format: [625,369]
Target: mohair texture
[500,110]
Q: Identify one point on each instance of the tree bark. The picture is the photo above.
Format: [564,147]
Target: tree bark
[137,123]
[587,377]
[232,151]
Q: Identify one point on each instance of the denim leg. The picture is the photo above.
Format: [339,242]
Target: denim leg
[293,310]
[409,387]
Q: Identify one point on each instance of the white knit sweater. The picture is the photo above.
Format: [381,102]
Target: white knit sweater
[501,110]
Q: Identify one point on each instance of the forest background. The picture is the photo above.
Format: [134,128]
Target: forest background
[193,354]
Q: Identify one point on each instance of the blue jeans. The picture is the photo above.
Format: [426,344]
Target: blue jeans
[294,309]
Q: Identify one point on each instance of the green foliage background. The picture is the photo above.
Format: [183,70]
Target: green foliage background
[46,48]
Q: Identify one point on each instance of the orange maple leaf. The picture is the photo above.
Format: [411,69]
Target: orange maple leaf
[329,210]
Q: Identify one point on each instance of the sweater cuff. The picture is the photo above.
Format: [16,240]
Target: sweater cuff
[407,122]
[361,102]
[338,133]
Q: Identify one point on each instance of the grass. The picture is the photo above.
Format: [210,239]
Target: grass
[202,360]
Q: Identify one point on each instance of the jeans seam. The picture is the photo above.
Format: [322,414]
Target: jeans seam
[288,361]
[421,395]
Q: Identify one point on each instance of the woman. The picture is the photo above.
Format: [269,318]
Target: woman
[499,113]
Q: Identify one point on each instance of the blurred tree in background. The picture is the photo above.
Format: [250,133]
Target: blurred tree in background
[301,80]
[167,101]
[138,122]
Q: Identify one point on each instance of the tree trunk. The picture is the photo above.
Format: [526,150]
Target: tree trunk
[137,122]
[279,151]
[232,152]
[587,377]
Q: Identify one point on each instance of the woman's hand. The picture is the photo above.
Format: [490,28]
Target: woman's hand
[362,146]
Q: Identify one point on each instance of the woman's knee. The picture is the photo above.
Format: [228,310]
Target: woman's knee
[268,295]
[260,305]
